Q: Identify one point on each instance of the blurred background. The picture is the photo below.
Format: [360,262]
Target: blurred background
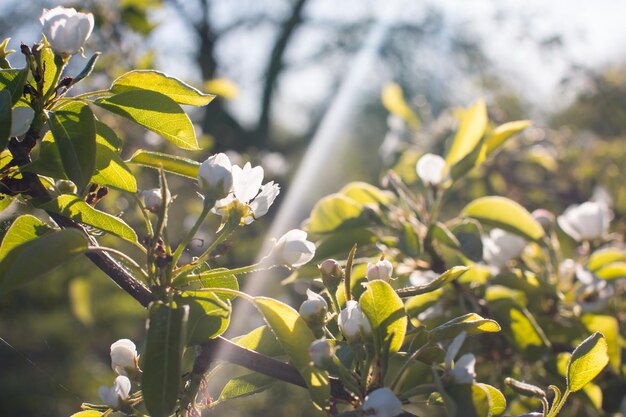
[299,87]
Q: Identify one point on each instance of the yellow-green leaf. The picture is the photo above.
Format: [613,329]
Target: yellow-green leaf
[169,163]
[365,193]
[73,207]
[471,129]
[154,111]
[602,257]
[385,312]
[609,327]
[506,214]
[587,361]
[23,229]
[331,212]
[445,278]
[497,401]
[471,323]
[394,102]
[156,81]
[501,133]
[295,337]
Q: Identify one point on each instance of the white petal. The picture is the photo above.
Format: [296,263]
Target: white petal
[247,182]
[21,118]
[454,348]
[261,204]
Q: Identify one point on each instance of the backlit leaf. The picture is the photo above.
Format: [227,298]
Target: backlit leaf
[587,361]
[385,312]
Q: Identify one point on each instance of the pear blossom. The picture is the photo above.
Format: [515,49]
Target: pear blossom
[215,176]
[293,250]
[594,293]
[382,402]
[353,323]
[501,246]
[431,168]
[320,351]
[66,29]
[113,396]
[152,199]
[21,118]
[123,356]
[247,189]
[463,370]
[331,272]
[313,310]
[587,221]
[380,270]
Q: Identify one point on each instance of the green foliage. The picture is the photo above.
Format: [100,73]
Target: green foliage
[587,361]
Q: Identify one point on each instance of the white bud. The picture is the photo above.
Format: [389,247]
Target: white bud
[380,270]
[313,310]
[501,246]
[123,356]
[320,351]
[152,199]
[382,402]
[215,176]
[66,29]
[586,221]
[293,250]
[430,168]
[113,396]
[21,118]
[353,323]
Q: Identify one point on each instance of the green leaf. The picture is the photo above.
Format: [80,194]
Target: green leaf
[295,337]
[468,233]
[49,68]
[89,66]
[501,133]
[5,118]
[587,361]
[442,234]
[506,214]
[111,170]
[410,242]
[471,323]
[472,127]
[331,212]
[81,300]
[165,339]
[365,193]
[154,111]
[245,385]
[50,251]
[4,53]
[156,81]
[13,80]
[73,207]
[497,401]
[74,130]
[612,271]
[339,243]
[520,326]
[169,163]
[467,163]
[609,327]
[385,312]
[443,279]
[23,229]
[394,102]
[261,340]
[470,400]
[602,257]
[87,413]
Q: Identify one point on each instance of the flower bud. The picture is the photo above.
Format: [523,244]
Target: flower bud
[21,119]
[382,402]
[314,310]
[353,323]
[430,168]
[463,371]
[586,221]
[332,273]
[320,351]
[65,186]
[501,246]
[293,250]
[544,217]
[152,199]
[66,29]
[215,176]
[123,357]
[115,395]
[380,270]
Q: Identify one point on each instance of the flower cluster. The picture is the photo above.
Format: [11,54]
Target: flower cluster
[124,362]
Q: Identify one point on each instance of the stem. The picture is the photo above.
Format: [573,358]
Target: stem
[555,410]
[405,365]
[206,208]
[120,254]
[434,210]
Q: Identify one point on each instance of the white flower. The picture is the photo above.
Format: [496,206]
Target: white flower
[586,221]
[247,189]
[320,350]
[313,310]
[152,199]
[594,292]
[380,270]
[66,29]
[430,168]
[353,323]
[21,118]
[123,356]
[463,370]
[382,402]
[293,250]
[112,396]
[501,246]
[215,176]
